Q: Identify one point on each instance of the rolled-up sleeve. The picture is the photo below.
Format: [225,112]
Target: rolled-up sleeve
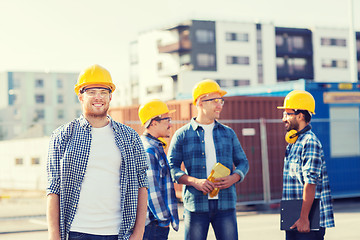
[239,158]
[312,163]
[175,157]
[53,166]
[141,162]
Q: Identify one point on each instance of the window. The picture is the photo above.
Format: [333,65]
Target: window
[35,161]
[344,131]
[39,114]
[297,64]
[39,98]
[241,37]
[329,63]
[59,83]
[232,83]
[204,36]
[280,62]
[241,83]
[39,83]
[238,60]
[12,97]
[279,40]
[60,99]
[159,66]
[19,161]
[205,60]
[298,42]
[341,42]
[60,114]
[154,89]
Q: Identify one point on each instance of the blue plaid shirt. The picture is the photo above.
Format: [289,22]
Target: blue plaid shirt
[162,202]
[68,155]
[188,146]
[304,163]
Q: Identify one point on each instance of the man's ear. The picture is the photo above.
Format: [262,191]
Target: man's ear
[80,97]
[301,116]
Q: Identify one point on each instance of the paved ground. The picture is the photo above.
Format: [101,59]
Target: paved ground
[252,224]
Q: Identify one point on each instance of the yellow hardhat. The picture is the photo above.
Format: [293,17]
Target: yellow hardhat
[299,100]
[204,87]
[95,74]
[152,109]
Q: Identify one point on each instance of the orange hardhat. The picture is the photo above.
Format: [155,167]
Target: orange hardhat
[95,74]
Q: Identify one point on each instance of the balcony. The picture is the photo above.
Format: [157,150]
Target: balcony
[181,46]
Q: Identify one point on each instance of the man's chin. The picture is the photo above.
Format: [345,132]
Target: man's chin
[98,115]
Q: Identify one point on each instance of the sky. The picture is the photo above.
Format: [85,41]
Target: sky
[69,35]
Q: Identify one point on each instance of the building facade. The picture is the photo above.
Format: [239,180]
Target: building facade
[166,63]
[23,163]
[33,104]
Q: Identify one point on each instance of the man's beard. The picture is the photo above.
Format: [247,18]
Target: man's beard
[292,125]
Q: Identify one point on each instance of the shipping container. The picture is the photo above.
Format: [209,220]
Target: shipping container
[336,123]
[257,123]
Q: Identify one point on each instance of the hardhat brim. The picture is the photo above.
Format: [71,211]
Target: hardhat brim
[169,112]
[282,107]
[79,87]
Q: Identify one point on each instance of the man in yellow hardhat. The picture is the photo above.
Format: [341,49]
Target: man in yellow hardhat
[162,203]
[305,175]
[200,145]
[97,183]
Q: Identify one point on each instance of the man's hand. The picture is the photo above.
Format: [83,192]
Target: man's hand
[204,185]
[226,182]
[302,225]
[136,236]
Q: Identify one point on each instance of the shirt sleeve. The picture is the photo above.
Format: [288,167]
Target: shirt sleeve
[53,166]
[312,161]
[141,162]
[155,198]
[175,157]
[240,160]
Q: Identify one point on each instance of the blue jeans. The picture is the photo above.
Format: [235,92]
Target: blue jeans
[223,223]
[312,235]
[154,232]
[86,236]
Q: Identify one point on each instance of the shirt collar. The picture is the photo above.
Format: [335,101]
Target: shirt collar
[195,125]
[148,135]
[86,125]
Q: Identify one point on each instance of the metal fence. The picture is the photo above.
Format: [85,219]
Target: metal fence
[263,141]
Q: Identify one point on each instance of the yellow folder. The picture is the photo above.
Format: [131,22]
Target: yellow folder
[217,171]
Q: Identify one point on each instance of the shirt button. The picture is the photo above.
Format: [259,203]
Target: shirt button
[202,153]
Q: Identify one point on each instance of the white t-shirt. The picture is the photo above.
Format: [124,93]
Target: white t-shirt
[210,151]
[99,207]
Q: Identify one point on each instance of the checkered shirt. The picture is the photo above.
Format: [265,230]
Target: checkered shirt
[68,155]
[188,146]
[304,163]
[162,202]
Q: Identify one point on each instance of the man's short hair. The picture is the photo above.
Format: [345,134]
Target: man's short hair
[306,114]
